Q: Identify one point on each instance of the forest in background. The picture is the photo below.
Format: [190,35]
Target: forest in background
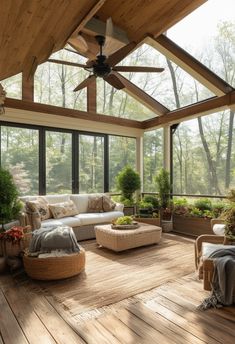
[203,149]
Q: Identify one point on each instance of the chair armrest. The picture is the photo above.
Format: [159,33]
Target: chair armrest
[213,239]
[119,207]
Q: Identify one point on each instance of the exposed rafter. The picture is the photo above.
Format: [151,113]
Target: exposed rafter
[59,111]
[186,61]
[202,108]
[141,96]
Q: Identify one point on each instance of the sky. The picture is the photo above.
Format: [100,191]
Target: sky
[201,24]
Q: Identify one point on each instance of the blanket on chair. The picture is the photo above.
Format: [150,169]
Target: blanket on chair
[223,282]
[53,238]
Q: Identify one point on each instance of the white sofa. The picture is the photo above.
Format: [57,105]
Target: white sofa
[83,223]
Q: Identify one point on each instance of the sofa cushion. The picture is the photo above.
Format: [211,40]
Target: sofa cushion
[63,209]
[65,221]
[209,248]
[95,204]
[95,218]
[107,203]
[40,205]
[81,202]
[52,199]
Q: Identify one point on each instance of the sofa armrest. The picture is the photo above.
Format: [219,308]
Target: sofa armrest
[33,219]
[119,207]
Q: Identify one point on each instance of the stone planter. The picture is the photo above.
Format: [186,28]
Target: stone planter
[193,226]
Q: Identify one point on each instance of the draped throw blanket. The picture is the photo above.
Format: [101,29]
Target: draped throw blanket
[223,282]
[53,238]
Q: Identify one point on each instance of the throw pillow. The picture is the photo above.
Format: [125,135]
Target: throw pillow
[40,205]
[63,209]
[108,204]
[95,204]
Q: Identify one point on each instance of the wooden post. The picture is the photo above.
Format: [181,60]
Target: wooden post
[139,160]
[27,87]
[166,148]
[91,97]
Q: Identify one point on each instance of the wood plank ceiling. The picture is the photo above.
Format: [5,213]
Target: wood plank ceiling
[32,30]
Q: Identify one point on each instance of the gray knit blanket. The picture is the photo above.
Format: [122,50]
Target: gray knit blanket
[223,282]
[53,238]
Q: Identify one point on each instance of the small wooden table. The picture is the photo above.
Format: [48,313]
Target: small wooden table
[124,239]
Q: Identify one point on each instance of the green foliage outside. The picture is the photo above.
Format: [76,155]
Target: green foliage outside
[128,182]
[10,205]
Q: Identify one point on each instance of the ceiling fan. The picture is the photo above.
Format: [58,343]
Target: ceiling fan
[105,67]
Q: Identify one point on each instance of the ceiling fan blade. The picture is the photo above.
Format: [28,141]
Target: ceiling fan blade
[67,63]
[111,43]
[85,83]
[118,56]
[114,81]
[137,69]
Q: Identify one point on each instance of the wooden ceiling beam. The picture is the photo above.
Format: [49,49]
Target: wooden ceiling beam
[202,108]
[141,96]
[191,65]
[58,111]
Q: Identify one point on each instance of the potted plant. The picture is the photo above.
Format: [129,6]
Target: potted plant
[164,189]
[128,181]
[148,210]
[10,205]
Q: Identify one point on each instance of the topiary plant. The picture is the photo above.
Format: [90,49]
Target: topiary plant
[10,205]
[164,188]
[128,182]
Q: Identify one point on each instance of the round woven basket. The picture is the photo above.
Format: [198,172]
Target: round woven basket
[54,268]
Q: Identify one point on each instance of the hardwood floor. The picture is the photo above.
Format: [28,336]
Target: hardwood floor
[146,295]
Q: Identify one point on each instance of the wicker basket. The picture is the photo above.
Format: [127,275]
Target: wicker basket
[54,268]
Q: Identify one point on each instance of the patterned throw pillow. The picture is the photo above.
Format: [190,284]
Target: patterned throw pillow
[40,205]
[108,204]
[95,204]
[63,209]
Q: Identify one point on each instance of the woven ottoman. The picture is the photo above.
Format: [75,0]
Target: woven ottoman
[54,268]
[124,239]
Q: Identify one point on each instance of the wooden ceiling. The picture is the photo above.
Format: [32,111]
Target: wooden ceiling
[32,29]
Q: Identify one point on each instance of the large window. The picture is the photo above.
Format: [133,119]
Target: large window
[19,154]
[153,158]
[122,152]
[91,163]
[204,155]
[58,162]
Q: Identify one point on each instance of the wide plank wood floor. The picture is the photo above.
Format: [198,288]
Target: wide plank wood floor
[145,295]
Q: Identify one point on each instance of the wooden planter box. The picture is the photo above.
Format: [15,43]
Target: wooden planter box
[150,221]
[129,211]
[194,226]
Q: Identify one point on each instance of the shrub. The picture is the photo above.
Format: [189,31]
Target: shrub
[152,200]
[128,182]
[203,204]
[164,188]
[10,205]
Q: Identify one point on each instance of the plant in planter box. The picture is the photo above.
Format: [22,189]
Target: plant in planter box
[10,205]
[128,182]
[164,189]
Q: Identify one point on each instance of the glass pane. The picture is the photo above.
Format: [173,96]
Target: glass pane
[208,34]
[54,83]
[13,86]
[58,162]
[19,154]
[204,155]
[122,152]
[91,163]
[153,158]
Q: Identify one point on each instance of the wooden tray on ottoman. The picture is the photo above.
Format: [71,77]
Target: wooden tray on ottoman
[54,268]
[120,240]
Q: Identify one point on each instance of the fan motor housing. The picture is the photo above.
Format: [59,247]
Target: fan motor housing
[100,68]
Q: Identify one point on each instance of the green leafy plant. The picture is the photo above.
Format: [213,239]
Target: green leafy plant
[203,204]
[10,205]
[128,182]
[145,205]
[164,188]
[123,220]
[151,200]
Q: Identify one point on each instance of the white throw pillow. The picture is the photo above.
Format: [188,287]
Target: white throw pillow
[219,229]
